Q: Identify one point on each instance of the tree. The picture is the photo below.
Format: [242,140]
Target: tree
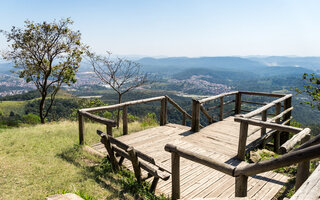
[312,89]
[47,54]
[121,75]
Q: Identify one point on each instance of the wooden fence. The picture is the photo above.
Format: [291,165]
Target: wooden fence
[302,155]
[88,113]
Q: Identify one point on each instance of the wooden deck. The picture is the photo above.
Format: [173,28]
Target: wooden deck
[218,141]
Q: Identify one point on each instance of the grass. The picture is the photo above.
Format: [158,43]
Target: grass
[45,159]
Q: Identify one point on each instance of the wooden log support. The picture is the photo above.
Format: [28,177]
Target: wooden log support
[221,109]
[108,146]
[237,109]
[195,115]
[241,186]
[125,120]
[81,128]
[242,140]
[264,118]
[163,112]
[285,135]
[296,139]
[290,158]
[135,163]
[184,119]
[276,139]
[303,169]
[154,184]
[175,163]
[109,130]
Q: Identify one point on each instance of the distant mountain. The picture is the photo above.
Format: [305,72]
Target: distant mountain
[312,63]
[176,64]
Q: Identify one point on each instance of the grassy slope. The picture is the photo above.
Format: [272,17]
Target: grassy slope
[45,159]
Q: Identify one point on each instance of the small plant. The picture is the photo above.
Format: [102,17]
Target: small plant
[149,120]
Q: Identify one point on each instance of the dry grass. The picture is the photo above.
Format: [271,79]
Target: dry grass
[45,159]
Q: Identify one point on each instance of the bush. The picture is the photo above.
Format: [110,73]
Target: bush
[31,119]
[149,120]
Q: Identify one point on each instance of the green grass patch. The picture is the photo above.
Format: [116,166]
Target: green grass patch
[45,159]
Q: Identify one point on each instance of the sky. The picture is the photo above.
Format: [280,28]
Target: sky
[172,28]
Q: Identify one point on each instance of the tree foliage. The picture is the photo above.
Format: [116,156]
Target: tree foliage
[47,54]
[312,89]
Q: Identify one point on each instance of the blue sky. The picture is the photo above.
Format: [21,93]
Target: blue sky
[190,28]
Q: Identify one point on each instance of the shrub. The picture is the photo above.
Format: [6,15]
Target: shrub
[31,118]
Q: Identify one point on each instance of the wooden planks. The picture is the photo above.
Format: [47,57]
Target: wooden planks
[218,141]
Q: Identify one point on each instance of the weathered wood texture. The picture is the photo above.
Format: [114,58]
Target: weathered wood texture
[219,142]
[310,189]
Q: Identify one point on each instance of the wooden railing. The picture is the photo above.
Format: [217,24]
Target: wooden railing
[87,112]
[302,155]
[198,106]
[279,130]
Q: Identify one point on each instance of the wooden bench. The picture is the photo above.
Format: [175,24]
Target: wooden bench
[139,160]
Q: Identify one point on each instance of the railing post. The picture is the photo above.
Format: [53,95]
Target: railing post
[237,109]
[285,135]
[125,120]
[221,109]
[303,168]
[175,164]
[81,128]
[242,140]
[276,140]
[109,130]
[195,115]
[263,118]
[184,119]
[241,186]
[163,112]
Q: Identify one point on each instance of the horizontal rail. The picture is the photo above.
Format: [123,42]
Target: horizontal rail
[293,157]
[98,118]
[218,106]
[296,139]
[217,96]
[269,105]
[220,166]
[261,94]
[251,102]
[96,109]
[263,124]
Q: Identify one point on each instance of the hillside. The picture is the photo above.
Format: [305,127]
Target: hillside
[43,160]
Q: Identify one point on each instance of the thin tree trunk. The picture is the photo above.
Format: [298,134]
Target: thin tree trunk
[118,113]
[42,118]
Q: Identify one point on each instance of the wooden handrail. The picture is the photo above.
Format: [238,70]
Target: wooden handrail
[296,139]
[263,124]
[198,158]
[293,157]
[261,94]
[96,109]
[217,96]
[99,119]
[266,107]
